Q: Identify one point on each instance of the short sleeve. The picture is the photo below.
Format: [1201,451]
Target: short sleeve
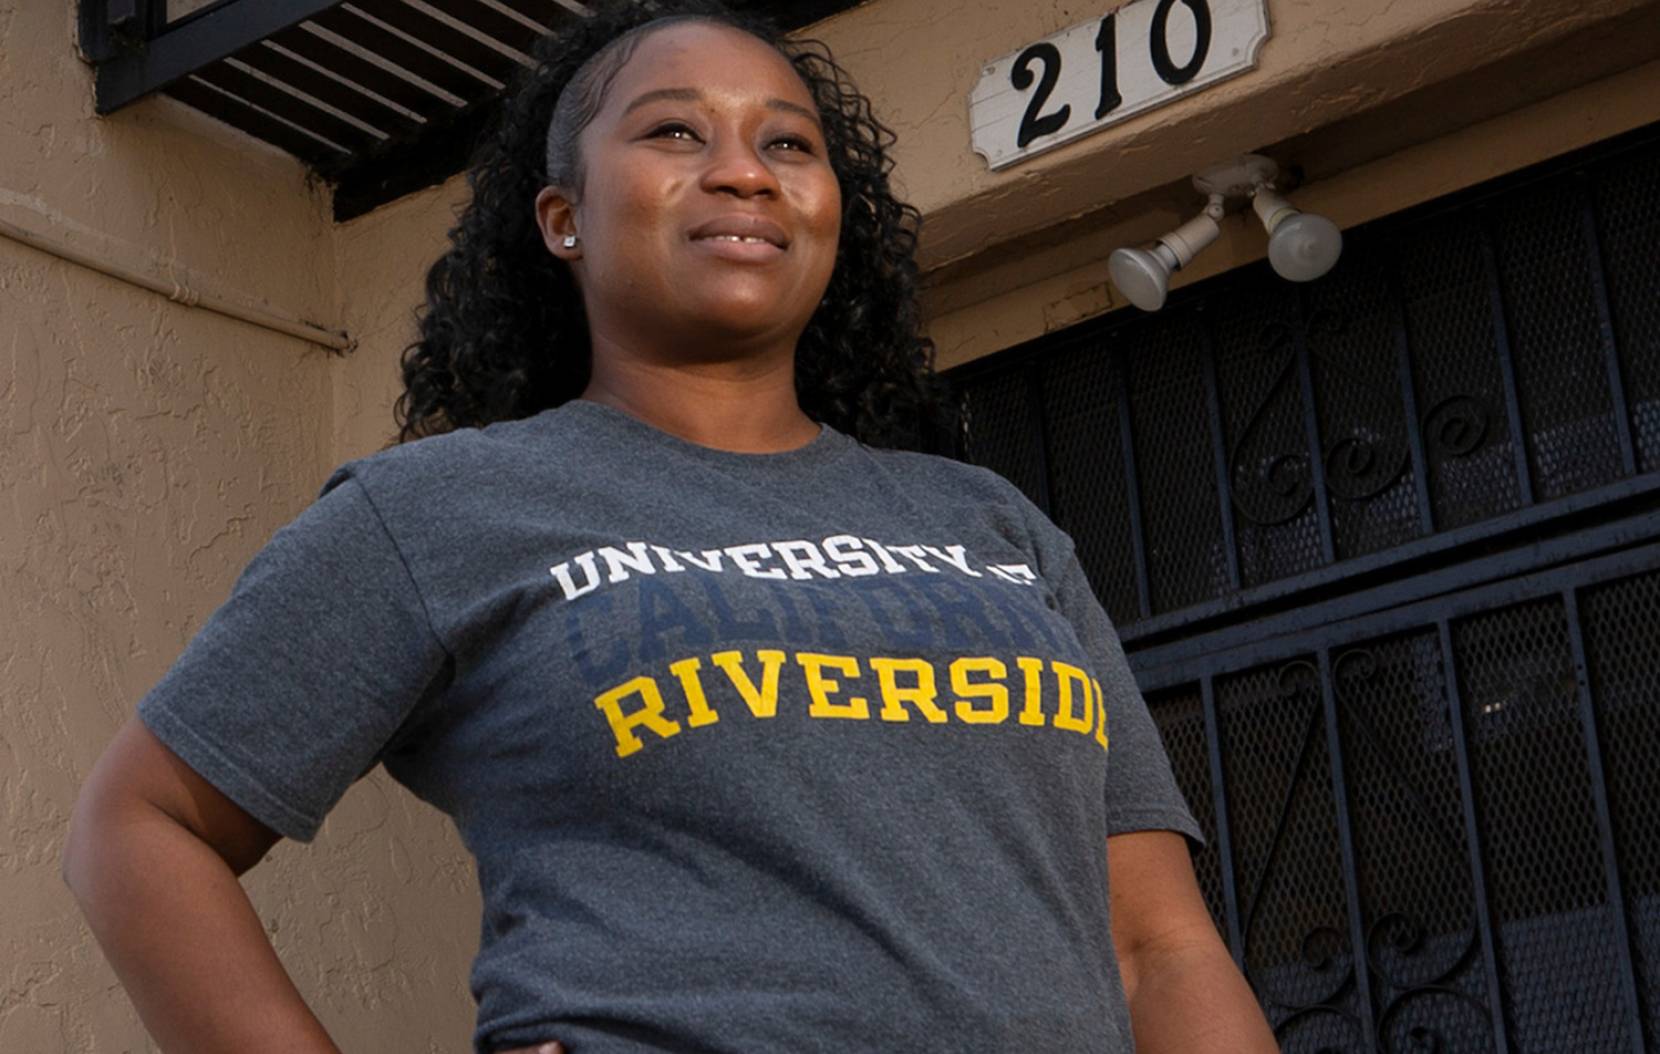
[294,686]
[1142,793]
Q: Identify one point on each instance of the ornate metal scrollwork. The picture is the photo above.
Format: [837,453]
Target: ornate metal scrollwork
[1455,427]
[1324,950]
[1394,939]
[1305,1015]
[1400,1038]
[1357,467]
[1284,476]
[1398,949]
[1356,472]
[1414,970]
[1298,675]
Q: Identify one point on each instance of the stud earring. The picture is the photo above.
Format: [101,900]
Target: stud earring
[570,241]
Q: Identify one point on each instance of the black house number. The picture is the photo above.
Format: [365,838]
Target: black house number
[1037,124]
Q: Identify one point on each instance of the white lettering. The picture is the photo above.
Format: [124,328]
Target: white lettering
[853,564]
[956,556]
[893,566]
[617,561]
[669,562]
[562,574]
[802,558]
[1019,574]
[709,560]
[913,553]
[745,557]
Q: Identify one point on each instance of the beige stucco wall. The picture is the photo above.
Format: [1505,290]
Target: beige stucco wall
[1040,285]
[147,448]
[1325,62]
[1382,105]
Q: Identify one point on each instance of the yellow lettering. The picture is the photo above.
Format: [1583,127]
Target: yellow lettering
[650,715]
[1067,674]
[692,685]
[920,695]
[996,694]
[821,687]
[1100,715]
[1031,712]
[762,702]
[980,693]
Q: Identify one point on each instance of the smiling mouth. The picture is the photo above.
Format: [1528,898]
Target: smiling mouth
[743,240]
[753,232]
[740,249]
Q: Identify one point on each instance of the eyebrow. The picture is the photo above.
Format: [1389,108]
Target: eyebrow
[693,95]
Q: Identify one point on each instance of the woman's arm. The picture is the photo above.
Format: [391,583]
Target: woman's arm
[152,857]
[1185,992]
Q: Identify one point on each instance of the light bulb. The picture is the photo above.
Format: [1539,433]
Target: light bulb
[1142,275]
[1304,247]
[1301,245]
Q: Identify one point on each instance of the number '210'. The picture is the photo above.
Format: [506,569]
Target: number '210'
[1036,124]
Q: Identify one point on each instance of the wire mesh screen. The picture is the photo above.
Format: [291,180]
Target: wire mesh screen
[1630,227]
[1549,893]
[1428,785]
[1284,850]
[1442,837]
[1354,346]
[1085,457]
[1409,844]
[999,425]
[1182,724]
[1623,670]
[1464,363]
[1447,300]
[1554,309]
[1184,553]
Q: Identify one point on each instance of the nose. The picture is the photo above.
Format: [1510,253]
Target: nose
[735,168]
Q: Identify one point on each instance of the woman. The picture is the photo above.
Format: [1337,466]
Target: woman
[766,733]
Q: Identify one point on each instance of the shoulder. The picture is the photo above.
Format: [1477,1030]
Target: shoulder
[980,486]
[439,464]
[974,483]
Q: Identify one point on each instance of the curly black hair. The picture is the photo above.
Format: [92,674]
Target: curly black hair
[504,335]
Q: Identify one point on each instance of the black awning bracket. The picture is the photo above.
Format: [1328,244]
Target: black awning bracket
[378,97]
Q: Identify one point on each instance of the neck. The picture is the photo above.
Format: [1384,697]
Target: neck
[743,405]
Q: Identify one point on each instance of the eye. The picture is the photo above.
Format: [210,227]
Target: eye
[673,130]
[795,142]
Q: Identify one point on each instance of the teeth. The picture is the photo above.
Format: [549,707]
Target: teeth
[736,238]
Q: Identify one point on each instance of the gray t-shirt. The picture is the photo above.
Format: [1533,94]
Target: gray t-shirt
[806,751]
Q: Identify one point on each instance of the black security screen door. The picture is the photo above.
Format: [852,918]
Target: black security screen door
[1410,682]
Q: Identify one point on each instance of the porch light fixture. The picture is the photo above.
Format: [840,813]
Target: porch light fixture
[1143,275]
[1301,245]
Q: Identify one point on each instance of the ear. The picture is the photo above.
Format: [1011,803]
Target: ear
[556,216]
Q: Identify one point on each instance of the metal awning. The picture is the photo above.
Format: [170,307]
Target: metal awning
[378,97]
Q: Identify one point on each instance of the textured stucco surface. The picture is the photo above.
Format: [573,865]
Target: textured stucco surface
[387,253]
[147,449]
[1325,61]
[1042,283]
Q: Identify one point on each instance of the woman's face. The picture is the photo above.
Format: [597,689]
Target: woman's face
[708,207]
